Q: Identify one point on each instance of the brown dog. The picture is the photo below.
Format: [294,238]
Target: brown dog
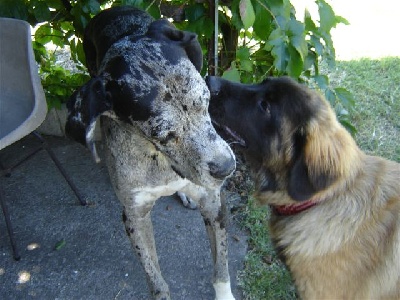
[335,210]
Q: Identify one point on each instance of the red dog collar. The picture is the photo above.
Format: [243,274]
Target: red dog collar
[292,209]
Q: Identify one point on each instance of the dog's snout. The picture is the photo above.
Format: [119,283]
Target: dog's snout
[220,170]
[214,85]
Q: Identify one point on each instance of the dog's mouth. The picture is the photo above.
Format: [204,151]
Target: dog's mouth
[233,136]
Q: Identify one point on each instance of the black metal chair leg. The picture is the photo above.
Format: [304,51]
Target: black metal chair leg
[6,171]
[60,168]
[9,226]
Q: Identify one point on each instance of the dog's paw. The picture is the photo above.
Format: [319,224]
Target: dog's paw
[223,291]
[163,297]
[186,201]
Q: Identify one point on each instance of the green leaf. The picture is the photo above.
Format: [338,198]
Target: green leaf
[316,43]
[39,50]
[232,73]
[80,17]
[262,23]
[277,37]
[311,60]
[79,79]
[242,53]
[279,8]
[194,12]
[202,26]
[308,22]
[297,37]
[281,56]
[91,7]
[246,65]
[329,53]
[342,20]
[236,19]
[57,37]
[67,26]
[295,63]
[330,96]
[327,16]
[153,10]
[278,45]
[246,13]
[347,124]
[322,81]
[60,244]
[80,52]
[43,34]
[41,12]
[345,97]
[14,9]
[208,27]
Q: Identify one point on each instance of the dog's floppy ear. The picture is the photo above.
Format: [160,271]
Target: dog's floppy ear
[84,107]
[305,182]
[328,154]
[164,30]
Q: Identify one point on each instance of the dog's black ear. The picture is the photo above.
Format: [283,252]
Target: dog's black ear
[84,107]
[328,153]
[164,30]
[304,183]
[193,49]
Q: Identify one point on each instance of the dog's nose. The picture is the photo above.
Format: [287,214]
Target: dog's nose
[214,85]
[222,169]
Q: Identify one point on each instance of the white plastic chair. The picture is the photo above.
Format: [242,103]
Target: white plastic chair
[22,102]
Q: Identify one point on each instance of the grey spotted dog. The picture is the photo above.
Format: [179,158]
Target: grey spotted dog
[153,106]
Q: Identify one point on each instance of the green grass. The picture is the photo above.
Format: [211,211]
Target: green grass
[264,276]
[375,85]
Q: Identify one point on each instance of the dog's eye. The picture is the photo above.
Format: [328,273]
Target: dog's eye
[264,106]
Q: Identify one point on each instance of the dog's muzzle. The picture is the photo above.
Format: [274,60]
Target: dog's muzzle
[222,168]
[214,85]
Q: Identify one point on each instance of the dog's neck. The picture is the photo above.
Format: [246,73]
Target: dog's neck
[293,209]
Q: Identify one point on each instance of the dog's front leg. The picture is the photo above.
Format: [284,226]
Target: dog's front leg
[137,220]
[214,218]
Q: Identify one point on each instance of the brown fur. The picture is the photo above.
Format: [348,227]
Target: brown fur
[348,245]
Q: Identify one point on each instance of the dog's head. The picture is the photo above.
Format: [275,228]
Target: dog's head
[109,26]
[152,82]
[289,134]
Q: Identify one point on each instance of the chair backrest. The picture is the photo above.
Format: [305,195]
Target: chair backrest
[22,101]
